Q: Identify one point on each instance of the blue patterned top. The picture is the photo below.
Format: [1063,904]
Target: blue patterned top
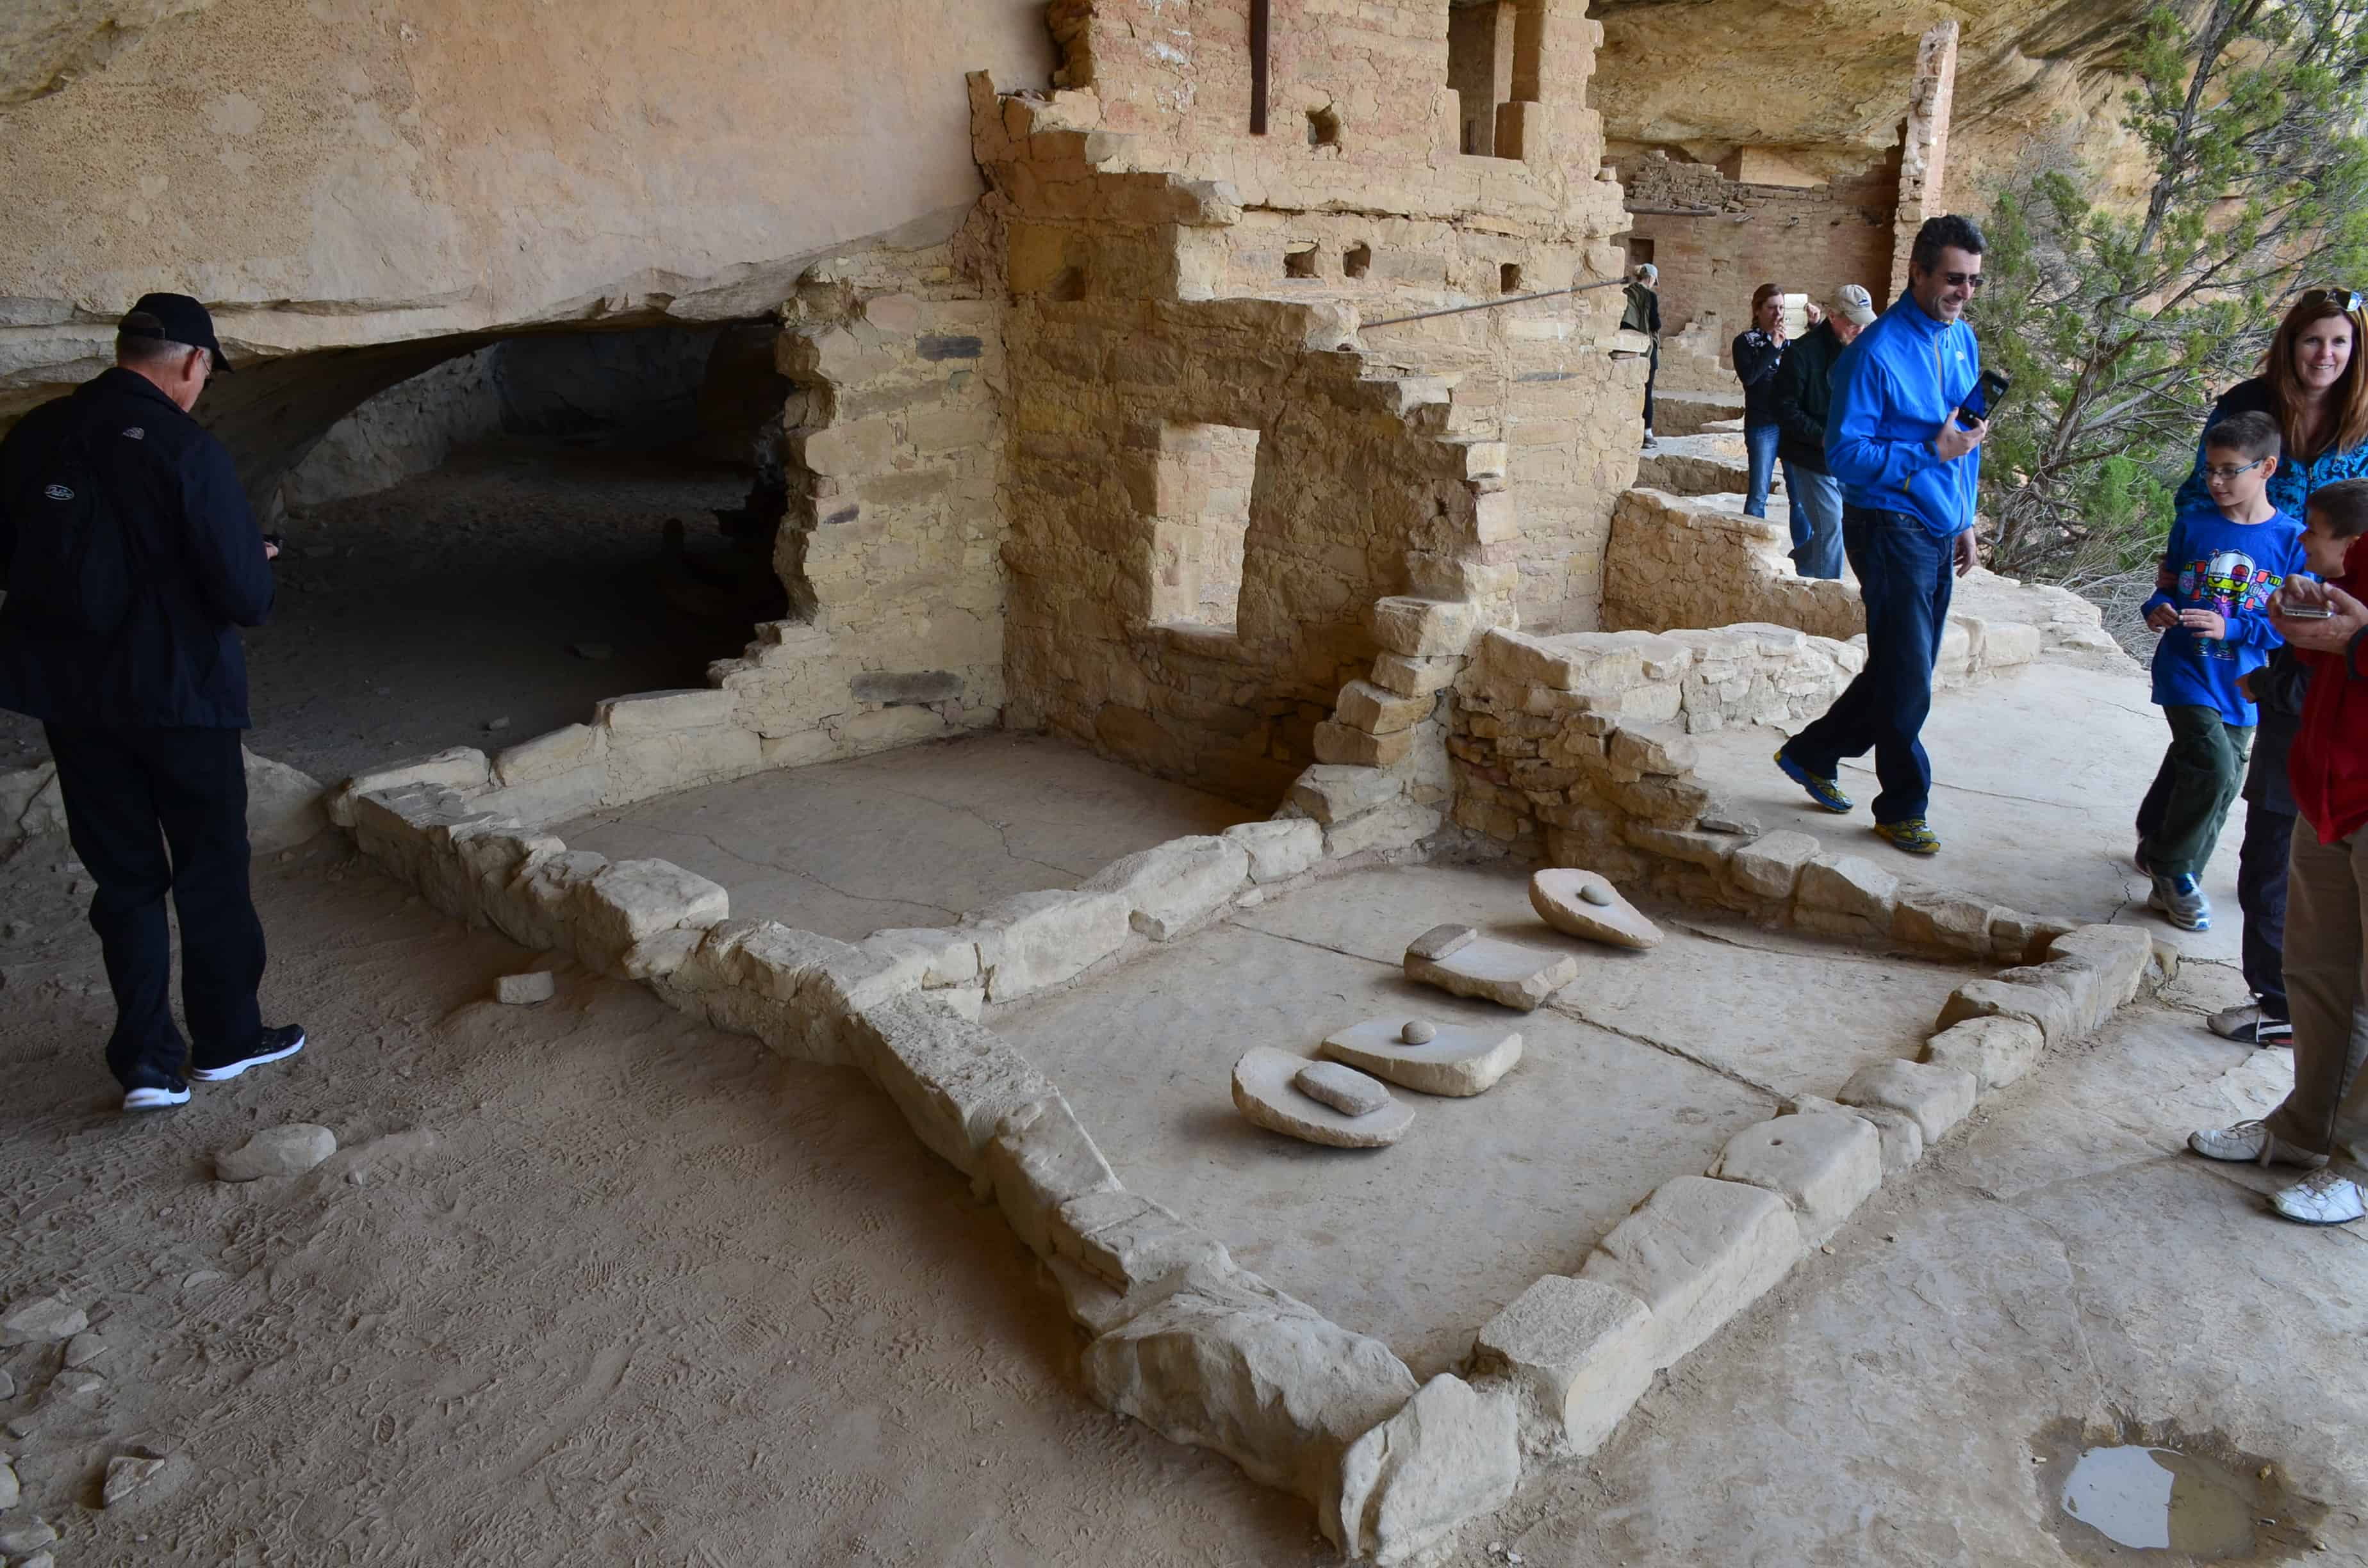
[2290,487]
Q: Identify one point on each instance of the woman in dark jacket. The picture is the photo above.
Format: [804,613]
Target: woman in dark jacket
[2314,384]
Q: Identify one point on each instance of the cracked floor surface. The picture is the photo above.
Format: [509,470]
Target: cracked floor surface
[1639,1070]
[2036,782]
[915,836]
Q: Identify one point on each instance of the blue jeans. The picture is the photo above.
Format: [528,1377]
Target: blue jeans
[1816,520]
[1761,440]
[1905,576]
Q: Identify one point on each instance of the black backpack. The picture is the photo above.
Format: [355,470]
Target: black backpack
[73,571]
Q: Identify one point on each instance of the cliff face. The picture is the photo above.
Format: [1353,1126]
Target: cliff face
[1826,79]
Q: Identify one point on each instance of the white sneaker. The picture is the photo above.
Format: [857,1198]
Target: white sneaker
[2322,1197]
[2249,1143]
[2248,1024]
[156,1099]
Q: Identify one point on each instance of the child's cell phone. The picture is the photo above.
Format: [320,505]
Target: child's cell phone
[1983,401]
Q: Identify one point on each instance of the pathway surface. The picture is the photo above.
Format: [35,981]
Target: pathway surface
[2036,781]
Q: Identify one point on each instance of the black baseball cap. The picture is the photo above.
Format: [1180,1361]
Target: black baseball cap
[174,318]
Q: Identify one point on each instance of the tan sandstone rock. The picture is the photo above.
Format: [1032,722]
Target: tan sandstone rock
[1582,903]
[1267,1094]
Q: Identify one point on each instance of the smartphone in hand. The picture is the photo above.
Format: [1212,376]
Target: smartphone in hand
[1983,401]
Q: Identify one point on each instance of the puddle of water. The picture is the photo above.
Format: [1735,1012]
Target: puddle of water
[2159,1499]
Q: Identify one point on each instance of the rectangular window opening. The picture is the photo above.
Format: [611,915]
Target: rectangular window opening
[1491,63]
[1509,278]
[1356,261]
[1299,263]
[1205,476]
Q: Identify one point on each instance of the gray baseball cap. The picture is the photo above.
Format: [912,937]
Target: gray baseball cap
[1854,303]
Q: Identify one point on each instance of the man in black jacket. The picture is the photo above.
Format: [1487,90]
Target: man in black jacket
[118,633]
[1803,392]
[1644,314]
[1758,353]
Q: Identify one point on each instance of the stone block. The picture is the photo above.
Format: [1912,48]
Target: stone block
[562,750]
[1944,921]
[644,764]
[1129,1241]
[1034,939]
[1414,676]
[932,956]
[1935,1098]
[1336,743]
[1771,866]
[1710,850]
[556,798]
[1038,1160]
[1174,886]
[1342,1087]
[1279,850]
[535,908]
[895,689]
[285,806]
[1849,885]
[1331,792]
[1507,973]
[2047,1008]
[1425,627]
[2119,954]
[623,902]
[1652,751]
[1578,1353]
[1455,1060]
[1451,1452]
[525,990]
[1399,825]
[1996,1051]
[1822,1165]
[1696,1253]
[1228,1362]
[954,1081]
[663,712]
[1364,706]
[462,770]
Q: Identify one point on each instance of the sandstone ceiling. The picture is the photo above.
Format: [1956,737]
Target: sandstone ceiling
[44,44]
[1829,77]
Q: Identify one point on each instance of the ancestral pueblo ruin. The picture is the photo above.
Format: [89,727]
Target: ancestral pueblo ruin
[1116,372]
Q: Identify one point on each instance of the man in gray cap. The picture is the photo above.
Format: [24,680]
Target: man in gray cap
[1804,392]
[130,557]
[1644,314]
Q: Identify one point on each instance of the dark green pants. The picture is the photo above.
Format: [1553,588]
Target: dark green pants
[2197,783]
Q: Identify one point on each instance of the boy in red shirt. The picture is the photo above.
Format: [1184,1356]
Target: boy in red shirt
[2324,1122]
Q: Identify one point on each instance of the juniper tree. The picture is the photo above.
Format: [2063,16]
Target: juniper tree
[2120,324]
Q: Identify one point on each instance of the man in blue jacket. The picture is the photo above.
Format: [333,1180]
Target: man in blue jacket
[1908,468]
[130,557]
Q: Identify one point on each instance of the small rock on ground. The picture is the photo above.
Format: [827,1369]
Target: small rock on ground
[1343,1088]
[41,1320]
[519,990]
[9,1490]
[84,1349]
[277,1151]
[30,1537]
[126,1474]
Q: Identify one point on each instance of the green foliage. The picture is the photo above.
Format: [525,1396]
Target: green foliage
[2120,325]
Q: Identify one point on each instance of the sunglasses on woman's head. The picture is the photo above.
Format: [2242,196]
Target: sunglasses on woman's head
[2345,299]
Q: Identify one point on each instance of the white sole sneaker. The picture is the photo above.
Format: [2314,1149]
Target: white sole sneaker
[2249,1143]
[2322,1197]
[230,1070]
[155,1100]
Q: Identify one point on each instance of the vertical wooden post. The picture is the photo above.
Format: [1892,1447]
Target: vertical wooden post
[1257,66]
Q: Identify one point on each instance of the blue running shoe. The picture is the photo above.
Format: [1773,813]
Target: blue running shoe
[2182,902]
[1827,792]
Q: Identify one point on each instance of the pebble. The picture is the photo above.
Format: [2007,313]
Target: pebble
[501,723]
[520,990]
[82,1386]
[1596,895]
[125,1475]
[277,1151]
[84,1349]
[9,1492]
[29,1536]
[1419,1032]
[196,1277]
[7,1386]
[23,1426]
[41,1320]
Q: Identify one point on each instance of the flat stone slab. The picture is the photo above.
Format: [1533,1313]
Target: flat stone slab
[1265,1095]
[284,1150]
[1504,973]
[1582,903]
[1458,1059]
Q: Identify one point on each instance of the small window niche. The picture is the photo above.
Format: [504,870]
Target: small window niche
[1356,261]
[1299,262]
[1509,278]
[1205,476]
[1323,126]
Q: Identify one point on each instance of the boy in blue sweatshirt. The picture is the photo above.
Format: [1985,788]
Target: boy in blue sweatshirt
[2218,571]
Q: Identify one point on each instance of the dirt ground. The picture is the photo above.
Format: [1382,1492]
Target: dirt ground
[412,620]
[585,1283]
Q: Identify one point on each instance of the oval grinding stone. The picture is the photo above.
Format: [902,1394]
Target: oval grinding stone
[1265,1095]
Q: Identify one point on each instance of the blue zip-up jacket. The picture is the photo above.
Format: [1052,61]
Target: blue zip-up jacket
[1893,389]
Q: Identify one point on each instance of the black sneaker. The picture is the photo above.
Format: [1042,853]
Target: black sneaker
[154,1097]
[272,1045]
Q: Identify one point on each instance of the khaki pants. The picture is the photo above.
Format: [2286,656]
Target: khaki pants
[2326,982]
